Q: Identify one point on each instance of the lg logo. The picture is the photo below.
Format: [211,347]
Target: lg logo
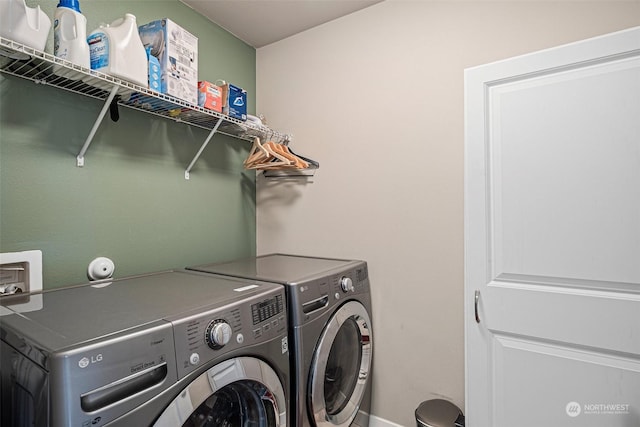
[573,409]
[85,361]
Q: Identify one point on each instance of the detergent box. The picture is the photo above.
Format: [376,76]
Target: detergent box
[177,52]
[210,96]
[234,101]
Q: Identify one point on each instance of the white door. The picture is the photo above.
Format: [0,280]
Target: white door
[552,237]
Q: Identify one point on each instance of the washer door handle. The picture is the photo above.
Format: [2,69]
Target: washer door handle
[104,396]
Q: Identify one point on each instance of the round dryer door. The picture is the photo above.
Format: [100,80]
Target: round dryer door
[341,366]
[244,391]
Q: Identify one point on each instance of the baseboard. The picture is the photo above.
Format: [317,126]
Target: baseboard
[381,422]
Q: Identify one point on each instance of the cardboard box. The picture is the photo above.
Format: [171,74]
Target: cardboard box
[234,101]
[210,96]
[177,52]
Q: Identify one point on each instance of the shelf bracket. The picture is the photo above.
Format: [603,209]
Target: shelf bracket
[103,112]
[204,145]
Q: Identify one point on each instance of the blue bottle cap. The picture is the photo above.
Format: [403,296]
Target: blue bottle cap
[71,4]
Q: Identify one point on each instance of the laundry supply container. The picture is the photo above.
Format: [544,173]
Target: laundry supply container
[23,24]
[439,413]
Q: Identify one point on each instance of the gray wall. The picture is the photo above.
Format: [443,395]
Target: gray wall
[130,201]
[377,98]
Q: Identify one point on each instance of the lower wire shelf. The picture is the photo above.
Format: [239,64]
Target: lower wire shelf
[42,68]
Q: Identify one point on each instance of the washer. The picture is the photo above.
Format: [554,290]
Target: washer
[329,304]
[167,349]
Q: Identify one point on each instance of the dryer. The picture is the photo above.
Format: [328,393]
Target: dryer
[329,305]
[167,349]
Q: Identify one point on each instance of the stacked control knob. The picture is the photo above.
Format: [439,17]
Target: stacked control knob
[218,334]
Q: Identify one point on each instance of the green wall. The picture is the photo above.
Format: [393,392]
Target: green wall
[130,202]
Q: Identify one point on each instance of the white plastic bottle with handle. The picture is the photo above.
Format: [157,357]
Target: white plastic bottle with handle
[116,49]
[70,35]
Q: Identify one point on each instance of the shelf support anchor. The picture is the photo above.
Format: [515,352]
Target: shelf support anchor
[103,112]
[204,145]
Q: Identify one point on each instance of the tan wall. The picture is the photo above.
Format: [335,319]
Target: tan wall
[377,98]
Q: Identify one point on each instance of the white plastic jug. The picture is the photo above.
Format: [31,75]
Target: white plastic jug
[116,49]
[70,33]
[27,25]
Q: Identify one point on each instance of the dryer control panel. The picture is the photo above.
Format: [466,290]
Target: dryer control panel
[314,297]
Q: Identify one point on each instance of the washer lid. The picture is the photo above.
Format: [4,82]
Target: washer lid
[76,315]
[279,268]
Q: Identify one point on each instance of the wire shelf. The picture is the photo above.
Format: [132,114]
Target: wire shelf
[42,68]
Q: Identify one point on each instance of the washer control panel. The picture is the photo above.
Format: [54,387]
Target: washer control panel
[208,334]
[267,309]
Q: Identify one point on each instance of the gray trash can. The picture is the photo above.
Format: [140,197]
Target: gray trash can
[439,413]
